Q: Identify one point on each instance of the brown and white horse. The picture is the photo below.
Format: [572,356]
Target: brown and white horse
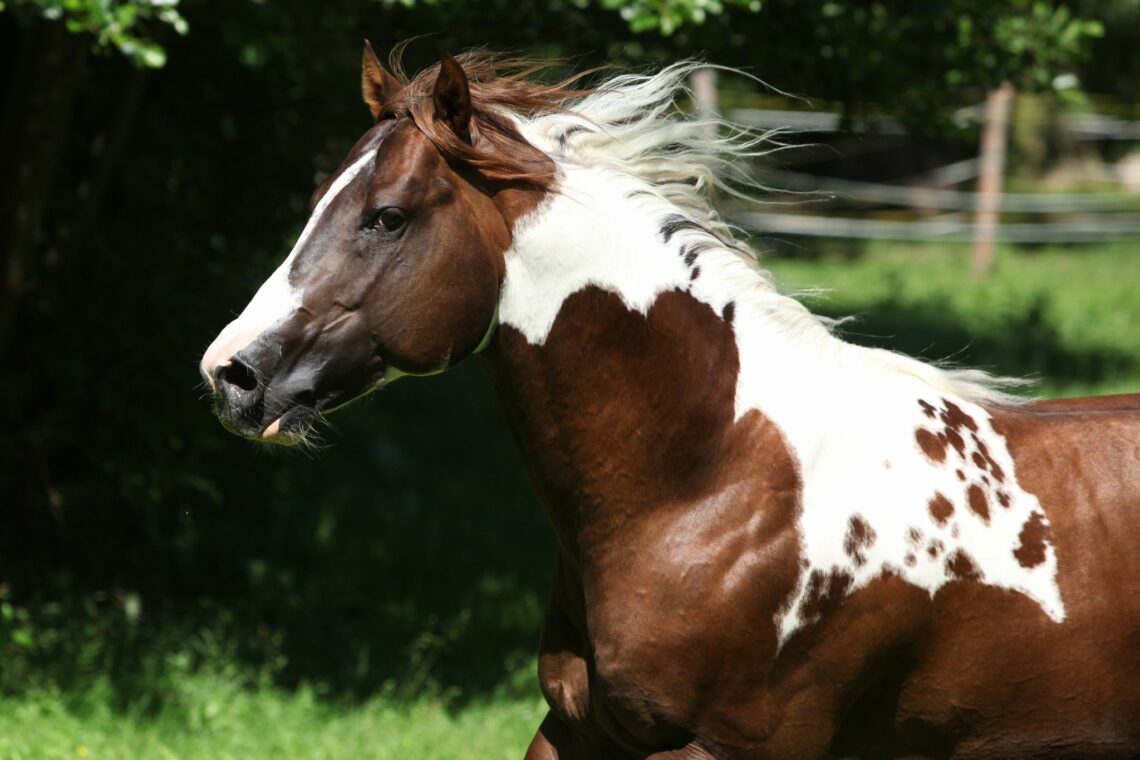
[771,543]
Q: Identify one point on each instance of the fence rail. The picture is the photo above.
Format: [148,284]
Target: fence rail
[973,216]
[1083,126]
[935,198]
[948,229]
[1093,126]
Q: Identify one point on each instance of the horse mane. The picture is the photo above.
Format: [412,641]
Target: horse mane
[634,125]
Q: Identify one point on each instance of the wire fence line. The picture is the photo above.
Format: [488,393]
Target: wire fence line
[1095,126]
[811,121]
[1081,217]
[935,198]
[1084,126]
[950,174]
[1088,230]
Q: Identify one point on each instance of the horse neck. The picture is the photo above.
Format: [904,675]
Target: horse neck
[618,357]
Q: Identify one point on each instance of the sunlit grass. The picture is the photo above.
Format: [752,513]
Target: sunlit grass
[212,718]
[1068,315]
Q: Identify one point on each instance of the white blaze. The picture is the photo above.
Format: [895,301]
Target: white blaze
[276,299]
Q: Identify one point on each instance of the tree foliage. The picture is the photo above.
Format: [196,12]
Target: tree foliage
[125,25]
[963,42]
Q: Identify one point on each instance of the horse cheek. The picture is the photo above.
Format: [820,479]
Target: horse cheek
[427,323]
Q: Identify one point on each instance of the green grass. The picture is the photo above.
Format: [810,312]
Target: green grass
[212,717]
[1069,316]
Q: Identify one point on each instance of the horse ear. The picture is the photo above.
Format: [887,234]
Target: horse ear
[376,84]
[452,98]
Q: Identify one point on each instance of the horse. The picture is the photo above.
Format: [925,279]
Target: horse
[771,543]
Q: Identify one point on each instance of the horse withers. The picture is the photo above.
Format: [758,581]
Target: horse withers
[771,543]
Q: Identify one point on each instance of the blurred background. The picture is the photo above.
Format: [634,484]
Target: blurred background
[963,175]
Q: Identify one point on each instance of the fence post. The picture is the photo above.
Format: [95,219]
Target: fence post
[702,82]
[992,160]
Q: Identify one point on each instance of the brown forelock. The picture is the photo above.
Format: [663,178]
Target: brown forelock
[498,85]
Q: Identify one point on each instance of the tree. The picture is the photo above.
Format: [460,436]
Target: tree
[125,25]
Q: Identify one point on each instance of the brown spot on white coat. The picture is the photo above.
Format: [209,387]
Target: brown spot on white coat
[978,503]
[941,509]
[1032,541]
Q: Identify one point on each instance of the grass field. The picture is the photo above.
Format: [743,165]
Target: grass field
[214,719]
[1067,316]
[1071,317]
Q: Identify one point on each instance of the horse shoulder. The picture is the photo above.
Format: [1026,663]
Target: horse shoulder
[682,615]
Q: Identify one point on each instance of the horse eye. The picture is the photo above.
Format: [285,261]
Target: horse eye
[389,218]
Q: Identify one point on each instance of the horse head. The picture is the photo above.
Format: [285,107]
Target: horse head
[398,268]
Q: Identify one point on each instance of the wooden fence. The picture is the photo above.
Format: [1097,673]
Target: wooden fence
[809,205]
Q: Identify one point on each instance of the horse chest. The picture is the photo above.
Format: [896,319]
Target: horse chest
[680,619]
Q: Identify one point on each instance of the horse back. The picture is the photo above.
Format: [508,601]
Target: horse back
[1124,403]
[1081,458]
[1040,684]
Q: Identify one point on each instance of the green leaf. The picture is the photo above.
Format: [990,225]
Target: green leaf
[22,638]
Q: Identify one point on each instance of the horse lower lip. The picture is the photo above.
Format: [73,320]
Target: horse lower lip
[272,429]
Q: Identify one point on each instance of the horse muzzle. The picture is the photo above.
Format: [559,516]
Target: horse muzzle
[275,387]
[255,400]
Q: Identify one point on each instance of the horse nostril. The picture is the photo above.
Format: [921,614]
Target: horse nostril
[237,373]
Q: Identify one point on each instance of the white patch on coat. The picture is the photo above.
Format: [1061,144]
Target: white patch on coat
[843,442]
[576,239]
[844,410]
[276,300]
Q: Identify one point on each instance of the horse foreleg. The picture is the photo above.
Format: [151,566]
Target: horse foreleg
[688,752]
[554,741]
